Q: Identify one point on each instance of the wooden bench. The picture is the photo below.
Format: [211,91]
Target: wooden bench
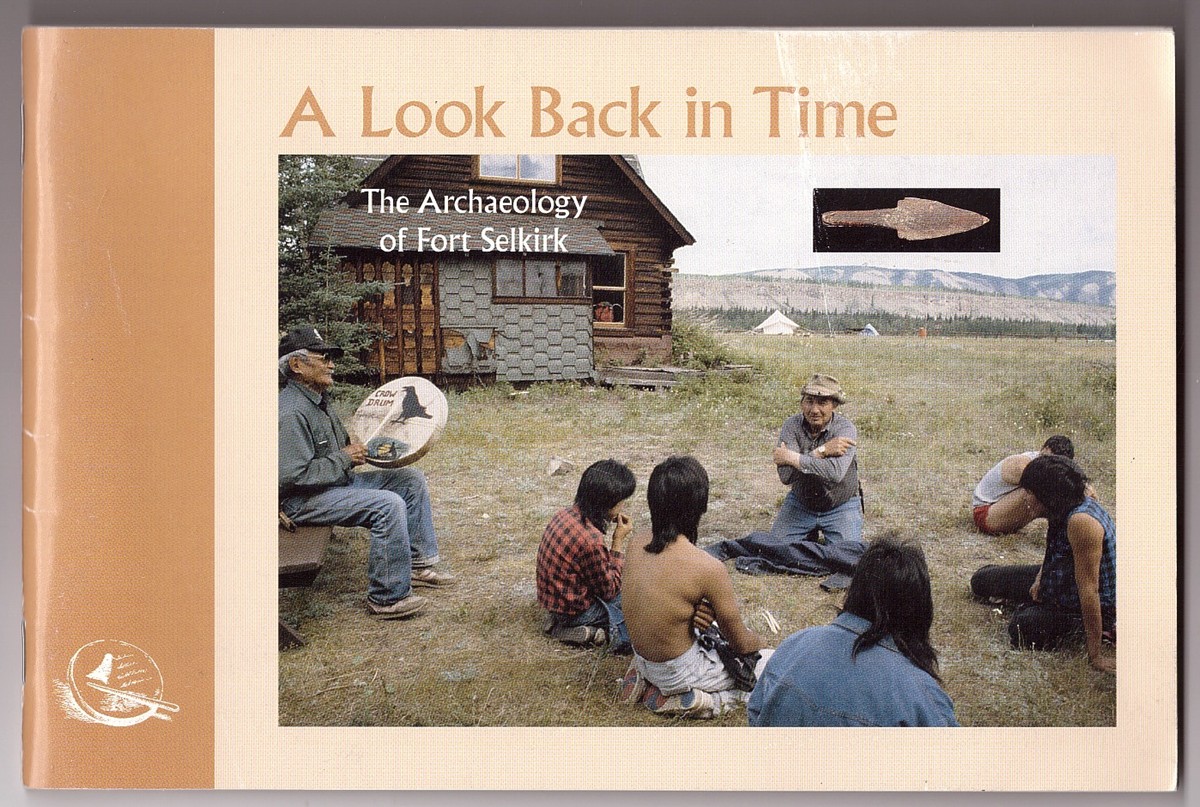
[301,553]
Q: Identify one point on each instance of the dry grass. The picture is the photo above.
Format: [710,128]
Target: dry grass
[933,415]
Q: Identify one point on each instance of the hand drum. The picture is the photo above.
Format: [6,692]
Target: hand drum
[400,421]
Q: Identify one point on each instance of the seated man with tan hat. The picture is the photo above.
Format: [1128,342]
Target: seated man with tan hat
[816,456]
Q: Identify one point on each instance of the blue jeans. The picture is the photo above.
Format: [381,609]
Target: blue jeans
[1034,624]
[604,614]
[394,504]
[842,523]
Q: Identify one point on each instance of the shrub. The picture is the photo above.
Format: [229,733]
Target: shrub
[1048,409]
[695,346]
[1101,378]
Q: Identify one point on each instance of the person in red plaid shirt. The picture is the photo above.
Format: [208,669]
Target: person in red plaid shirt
[578,577]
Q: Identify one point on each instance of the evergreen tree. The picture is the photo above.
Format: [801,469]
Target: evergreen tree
[313,289]
[888,324]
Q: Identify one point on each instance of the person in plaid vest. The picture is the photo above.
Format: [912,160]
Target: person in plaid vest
[1073,591]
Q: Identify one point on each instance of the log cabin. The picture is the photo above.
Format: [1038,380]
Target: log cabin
[499,270]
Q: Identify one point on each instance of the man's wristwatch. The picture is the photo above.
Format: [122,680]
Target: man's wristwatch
[821,450]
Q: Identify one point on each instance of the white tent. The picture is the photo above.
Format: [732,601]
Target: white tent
[777,323]
[869,331]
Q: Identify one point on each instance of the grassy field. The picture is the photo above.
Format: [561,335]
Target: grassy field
[932,414]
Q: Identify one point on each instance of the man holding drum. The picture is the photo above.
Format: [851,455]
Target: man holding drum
[316,485]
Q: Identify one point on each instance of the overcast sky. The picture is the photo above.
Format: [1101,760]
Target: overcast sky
[755,212]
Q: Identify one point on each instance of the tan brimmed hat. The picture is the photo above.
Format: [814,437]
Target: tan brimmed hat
[824,386]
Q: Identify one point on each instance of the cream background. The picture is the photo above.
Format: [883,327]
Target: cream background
[1105,92]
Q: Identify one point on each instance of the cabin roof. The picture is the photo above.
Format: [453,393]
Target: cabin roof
[627,163]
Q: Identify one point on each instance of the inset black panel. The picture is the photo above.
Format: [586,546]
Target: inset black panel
[906,220]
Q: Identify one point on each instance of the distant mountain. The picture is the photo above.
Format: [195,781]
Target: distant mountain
[844,289]
[1093,288]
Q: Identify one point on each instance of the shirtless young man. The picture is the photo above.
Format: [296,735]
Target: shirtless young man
[668,586]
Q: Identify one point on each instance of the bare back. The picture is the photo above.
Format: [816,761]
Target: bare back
[660,592]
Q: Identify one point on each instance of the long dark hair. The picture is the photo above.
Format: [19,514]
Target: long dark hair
[891,590]
[603,486]
[1057,482]
[678,496]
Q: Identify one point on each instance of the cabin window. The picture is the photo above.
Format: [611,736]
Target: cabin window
[610,291]
[541,279]
[523,167]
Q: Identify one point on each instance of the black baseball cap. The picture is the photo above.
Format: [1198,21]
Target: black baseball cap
[306,337]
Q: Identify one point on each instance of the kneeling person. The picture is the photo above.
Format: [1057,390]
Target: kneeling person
[817,457]
[1073,591]
[668,581]
[578,577]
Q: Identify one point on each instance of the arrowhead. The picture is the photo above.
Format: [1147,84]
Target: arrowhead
[921,219]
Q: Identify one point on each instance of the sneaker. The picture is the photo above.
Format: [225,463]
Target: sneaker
[411,605]
[431,579]
[693,703]
[581,635]
[633,687]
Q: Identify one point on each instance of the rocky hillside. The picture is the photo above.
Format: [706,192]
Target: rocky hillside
[1094,288]
[794,290]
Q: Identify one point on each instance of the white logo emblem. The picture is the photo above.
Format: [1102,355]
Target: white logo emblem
[114,683]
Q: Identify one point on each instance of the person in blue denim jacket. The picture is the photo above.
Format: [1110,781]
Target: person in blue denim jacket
[873,665]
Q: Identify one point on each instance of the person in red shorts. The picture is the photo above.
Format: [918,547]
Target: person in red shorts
[999,502]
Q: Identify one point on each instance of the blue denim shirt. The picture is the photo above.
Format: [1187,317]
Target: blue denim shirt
[811,680]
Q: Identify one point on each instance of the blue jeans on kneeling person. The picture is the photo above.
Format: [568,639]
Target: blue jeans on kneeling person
[607,615]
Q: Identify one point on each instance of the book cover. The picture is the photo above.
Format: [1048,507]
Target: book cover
[537,207]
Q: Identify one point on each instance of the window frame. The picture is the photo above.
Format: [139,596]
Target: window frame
[558,260]
[477,163]
[629,254]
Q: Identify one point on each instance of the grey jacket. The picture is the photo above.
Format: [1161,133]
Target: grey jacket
[825,483]
[311,439]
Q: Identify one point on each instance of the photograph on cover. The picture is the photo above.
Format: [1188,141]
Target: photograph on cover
[486,362]
[906,220]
